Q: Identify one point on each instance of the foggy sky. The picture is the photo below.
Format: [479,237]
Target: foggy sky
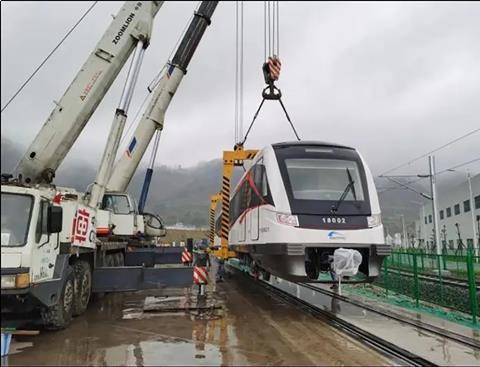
[394,80]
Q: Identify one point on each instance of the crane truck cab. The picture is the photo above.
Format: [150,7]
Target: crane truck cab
[119,216]
[52,259]
[41,231]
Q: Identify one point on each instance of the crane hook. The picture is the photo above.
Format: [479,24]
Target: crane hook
[271,72]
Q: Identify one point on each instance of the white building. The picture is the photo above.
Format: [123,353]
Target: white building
[459,221]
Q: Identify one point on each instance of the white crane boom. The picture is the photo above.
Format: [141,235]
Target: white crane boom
[153,118]
[72,112]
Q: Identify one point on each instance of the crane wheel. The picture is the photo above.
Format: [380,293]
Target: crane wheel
[82,287]
[59,315]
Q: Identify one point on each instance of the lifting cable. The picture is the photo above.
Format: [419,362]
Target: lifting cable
[271,67]
[48,56]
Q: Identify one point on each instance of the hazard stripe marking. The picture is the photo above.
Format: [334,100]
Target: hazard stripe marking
[200,275]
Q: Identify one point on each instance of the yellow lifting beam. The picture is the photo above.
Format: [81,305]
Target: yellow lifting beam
[231,158]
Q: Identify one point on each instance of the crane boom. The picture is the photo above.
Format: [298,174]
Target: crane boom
[72,112]
[153,118]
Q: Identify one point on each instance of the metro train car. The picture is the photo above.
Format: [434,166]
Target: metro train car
[300,201]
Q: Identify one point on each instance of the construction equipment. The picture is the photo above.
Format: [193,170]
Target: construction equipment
[152,120]
[230,160]
[52,259]
[133,220]
[132,24]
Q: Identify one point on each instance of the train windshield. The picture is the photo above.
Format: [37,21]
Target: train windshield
[324,180]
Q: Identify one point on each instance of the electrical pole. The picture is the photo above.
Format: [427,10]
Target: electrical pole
[424,225]
[431,162]
[403,229]
[472,210]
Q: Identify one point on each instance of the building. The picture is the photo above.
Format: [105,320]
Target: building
[459,222]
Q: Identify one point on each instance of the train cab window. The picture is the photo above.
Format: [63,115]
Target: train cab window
[262,193]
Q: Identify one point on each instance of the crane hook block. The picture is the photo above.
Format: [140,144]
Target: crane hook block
[271,73]
[271,69]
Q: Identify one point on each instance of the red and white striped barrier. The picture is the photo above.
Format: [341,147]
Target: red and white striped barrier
[186,256]
[200,275]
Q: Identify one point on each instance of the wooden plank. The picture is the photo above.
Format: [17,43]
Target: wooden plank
[20,332]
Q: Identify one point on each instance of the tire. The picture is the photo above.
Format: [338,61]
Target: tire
[82,287]
[58,316]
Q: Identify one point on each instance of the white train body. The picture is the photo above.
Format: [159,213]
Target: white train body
[282,211]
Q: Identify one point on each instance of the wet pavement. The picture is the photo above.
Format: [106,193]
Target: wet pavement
[238,324]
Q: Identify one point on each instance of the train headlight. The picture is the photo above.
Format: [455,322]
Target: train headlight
[374,221]
[287,219]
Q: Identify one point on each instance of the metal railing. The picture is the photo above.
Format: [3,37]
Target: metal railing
[449,280]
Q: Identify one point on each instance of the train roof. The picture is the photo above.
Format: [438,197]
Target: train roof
[310,143]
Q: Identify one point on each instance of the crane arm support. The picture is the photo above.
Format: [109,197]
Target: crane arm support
[74,109]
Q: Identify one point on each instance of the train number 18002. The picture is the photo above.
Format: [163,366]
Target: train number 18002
[334,220]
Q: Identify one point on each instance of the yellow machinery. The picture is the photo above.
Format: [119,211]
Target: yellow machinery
[231,158]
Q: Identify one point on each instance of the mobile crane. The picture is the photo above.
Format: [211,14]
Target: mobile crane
[152,121]
[52,259]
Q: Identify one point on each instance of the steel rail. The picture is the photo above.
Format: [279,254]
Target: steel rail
[459,338]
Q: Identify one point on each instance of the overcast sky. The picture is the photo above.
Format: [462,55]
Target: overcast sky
[393,79]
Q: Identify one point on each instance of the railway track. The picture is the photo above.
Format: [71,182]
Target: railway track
[446,280]
[459,338]
[307,297]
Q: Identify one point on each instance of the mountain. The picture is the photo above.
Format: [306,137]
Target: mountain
[11,153]
[183,194]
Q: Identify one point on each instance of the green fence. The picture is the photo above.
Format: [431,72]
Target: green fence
[448,280]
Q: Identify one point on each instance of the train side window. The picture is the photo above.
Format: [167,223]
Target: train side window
[264,187]
[264,184]
[254,199]
[245,192]
[235,207]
